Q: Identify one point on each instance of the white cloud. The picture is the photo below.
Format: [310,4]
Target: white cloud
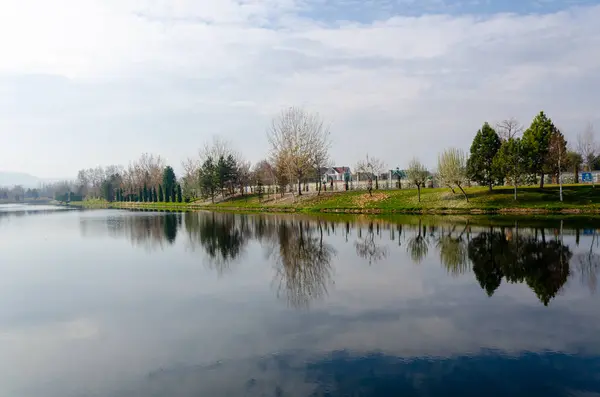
[191,69]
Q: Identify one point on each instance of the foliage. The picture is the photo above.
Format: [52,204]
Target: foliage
[168,182]
[161,196]
[298,139]
[452,169]
[209,179]
[511,162]
[179,194]
[536,144]
[480,166]
[556,160]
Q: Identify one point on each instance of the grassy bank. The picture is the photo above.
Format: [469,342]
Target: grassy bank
[577,198]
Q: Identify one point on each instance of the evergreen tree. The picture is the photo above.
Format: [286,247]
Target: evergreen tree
[141,195]
[169,181]
[161,197]
[179,194]
[480,166]
[536,144]
[154,195]
[145,191]
[209,179]
[118,195]
[174,194]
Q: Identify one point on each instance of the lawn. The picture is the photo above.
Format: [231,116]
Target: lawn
[500,199]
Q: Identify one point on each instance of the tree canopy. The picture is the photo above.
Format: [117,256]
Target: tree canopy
[485,146]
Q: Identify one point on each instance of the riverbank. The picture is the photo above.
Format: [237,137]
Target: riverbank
[531,200]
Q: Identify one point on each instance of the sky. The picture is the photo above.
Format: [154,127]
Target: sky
[98,82]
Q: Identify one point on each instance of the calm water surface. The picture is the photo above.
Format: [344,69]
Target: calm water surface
[116,303]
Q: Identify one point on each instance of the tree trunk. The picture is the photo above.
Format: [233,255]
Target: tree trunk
[542,180]
[419,192]
[299,188]
[576,173]
[490,186]
[463,192]
[515,190]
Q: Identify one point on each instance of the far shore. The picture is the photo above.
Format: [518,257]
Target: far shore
[578,199]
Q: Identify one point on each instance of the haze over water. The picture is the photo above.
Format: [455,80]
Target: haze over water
[117,303]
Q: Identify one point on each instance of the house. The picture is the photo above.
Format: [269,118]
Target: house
[335,174]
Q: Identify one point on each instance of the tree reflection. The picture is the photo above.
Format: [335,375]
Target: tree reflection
[543,265]
[588,264]
[367,248]
[418,246]
[303,262]
[221,236]
[453,251]
[148,230]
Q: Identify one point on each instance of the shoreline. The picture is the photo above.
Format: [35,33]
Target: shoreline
[578,199]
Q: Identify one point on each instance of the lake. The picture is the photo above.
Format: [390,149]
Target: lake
[131,303]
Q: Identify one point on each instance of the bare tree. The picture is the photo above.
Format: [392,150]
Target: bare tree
[296,136]
[372,167]
[452,169]
[320,156]
[587,146]
[191,177]
[417,174]
[509,128]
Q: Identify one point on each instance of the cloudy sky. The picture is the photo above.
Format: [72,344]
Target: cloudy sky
[96,82]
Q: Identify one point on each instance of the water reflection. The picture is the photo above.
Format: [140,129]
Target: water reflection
[302,255]
[343,373]
[150,230]
[302,262]
[222,237]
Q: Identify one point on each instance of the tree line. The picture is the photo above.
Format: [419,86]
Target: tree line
[299,145]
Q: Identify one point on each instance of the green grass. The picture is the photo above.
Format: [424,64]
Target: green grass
[441,200]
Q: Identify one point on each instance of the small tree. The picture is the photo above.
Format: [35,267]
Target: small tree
[556,160]
[141,195]
[154,195]
[161,196]
[372,167]
[511,162]
[452,169]
[417,174]
[179,194]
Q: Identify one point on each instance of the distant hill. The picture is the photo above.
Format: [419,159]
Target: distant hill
[9,179]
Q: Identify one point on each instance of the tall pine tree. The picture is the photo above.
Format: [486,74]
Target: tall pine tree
[154,195]
[169,182]
[161,196]
[480,166]
[536,144]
